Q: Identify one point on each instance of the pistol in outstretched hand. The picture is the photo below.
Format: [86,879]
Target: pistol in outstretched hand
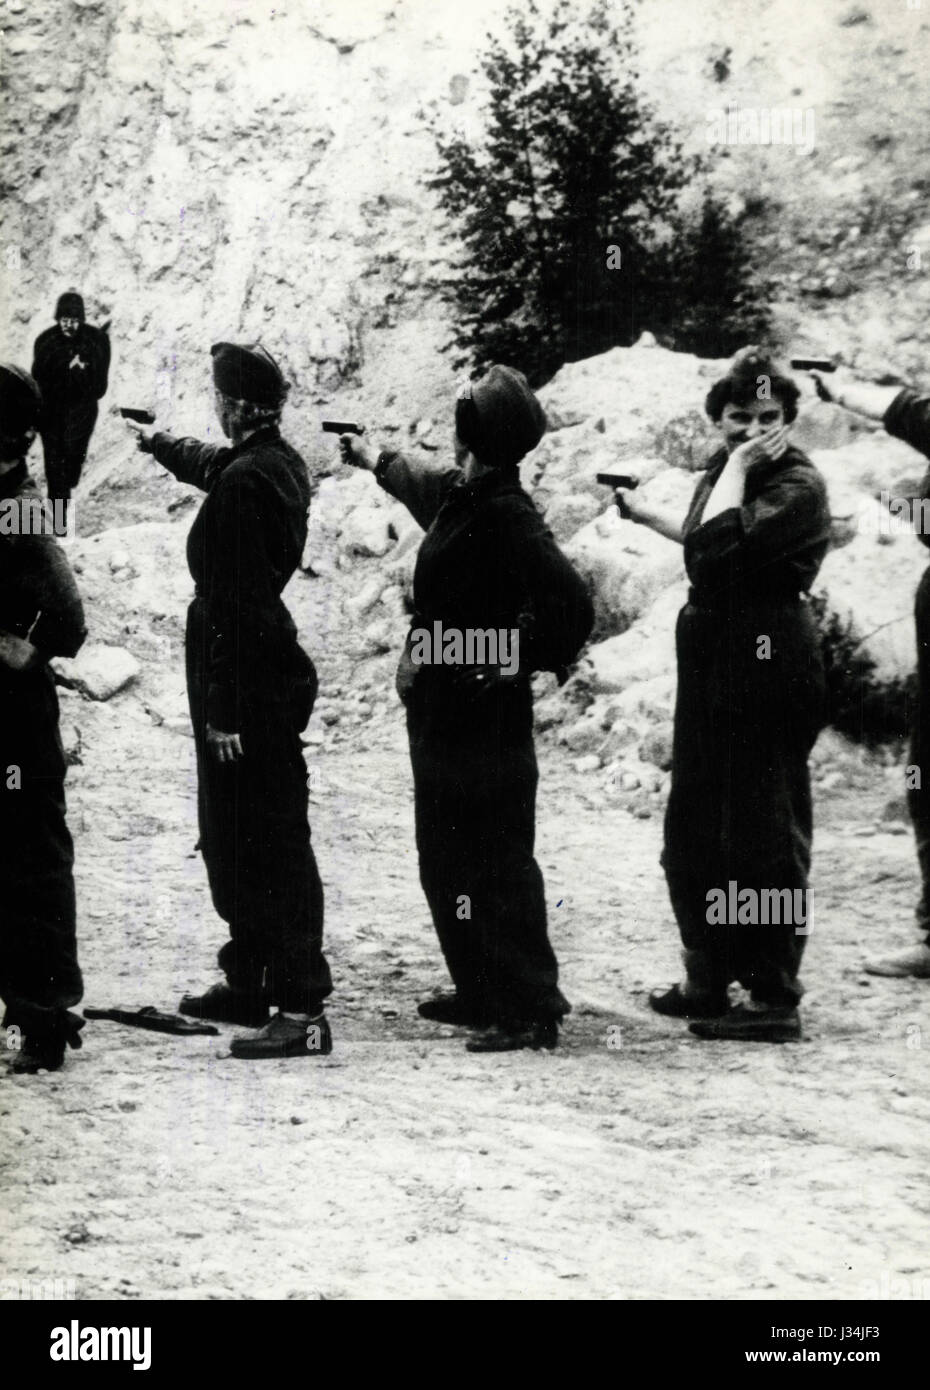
[812,364]
[342,427]
[618,479]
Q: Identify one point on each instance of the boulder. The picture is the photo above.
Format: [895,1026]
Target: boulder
[869,584]
[567,513]
[97,671]
[366,531]
[627,567]
[644,651]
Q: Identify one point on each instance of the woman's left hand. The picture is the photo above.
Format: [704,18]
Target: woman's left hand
[226,748]
[480,680]
[17,654]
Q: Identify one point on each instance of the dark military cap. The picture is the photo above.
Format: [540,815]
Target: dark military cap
[248,373]
[20,401]
[70,306]
[499,417]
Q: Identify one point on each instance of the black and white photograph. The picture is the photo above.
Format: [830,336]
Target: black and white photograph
[464,633]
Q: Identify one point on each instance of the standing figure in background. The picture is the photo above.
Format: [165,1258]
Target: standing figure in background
[750,704]
[488,564]
[251,688]
[40,616]
[906,415]
[71,363]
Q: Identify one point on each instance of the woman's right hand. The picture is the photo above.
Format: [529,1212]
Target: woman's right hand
[769,445]
[144,435]
[627,505]
[355,453]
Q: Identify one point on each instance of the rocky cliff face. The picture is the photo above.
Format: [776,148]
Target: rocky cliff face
[227,168]
[224,169]
[215,169]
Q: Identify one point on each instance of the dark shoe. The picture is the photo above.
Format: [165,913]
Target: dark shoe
[513,1037]
[673,1003]
[452,1008]
[913,961]
[39,1054]
[778,1025]
[226,1005]
[45,1050]
[286,1037]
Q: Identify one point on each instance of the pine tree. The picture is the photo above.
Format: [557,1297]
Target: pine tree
[573,162]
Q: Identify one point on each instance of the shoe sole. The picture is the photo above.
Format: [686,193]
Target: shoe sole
[691,1013]
[771,1037]
[247,1054]
[500,1045]
[893,974]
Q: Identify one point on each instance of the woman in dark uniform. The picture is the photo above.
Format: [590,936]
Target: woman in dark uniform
[905,414]
[749,707]
[40,616]
[251,689]
[487,563]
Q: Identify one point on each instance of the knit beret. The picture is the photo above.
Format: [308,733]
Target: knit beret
[248,373]
[70,306]
[506,420]
[20,401]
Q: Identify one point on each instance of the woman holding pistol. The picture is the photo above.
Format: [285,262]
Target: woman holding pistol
[487,563]
[749,707]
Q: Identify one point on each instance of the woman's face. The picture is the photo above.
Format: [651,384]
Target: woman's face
[461,450]
[222,412]
[740,423]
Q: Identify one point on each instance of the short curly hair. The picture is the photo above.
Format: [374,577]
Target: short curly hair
[740,385]
[249,415]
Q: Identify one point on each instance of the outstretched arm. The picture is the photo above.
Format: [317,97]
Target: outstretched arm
[422,487]
[632,509]
[188,459]
[864,397]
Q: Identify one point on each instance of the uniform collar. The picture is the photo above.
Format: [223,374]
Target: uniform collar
[265,435]
[478,488]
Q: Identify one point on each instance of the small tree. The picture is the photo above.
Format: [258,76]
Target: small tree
[572,163]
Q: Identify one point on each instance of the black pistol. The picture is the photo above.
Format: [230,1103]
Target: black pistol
[618,479]
[141,417]
[342,427]
[812,364]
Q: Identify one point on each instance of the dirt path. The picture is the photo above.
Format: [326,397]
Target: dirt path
[404,1166]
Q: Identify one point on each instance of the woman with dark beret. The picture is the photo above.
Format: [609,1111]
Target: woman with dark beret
[487,564]
[749,706]
[251,688]
[41,616]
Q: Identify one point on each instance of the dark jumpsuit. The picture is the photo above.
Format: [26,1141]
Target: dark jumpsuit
[39,973]
[487,561]
[908,418]
[69,400]
[739,806]
[247,674]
